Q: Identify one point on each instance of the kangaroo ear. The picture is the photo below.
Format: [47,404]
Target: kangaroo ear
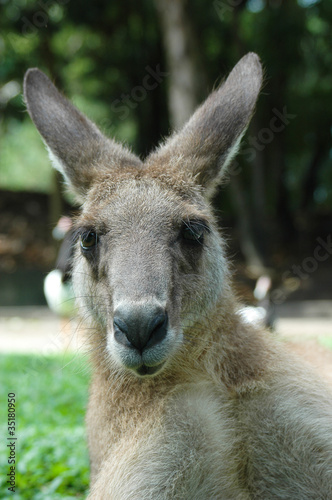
[211,138]
[76,146]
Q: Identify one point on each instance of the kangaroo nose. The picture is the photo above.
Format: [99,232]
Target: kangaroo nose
[140,326]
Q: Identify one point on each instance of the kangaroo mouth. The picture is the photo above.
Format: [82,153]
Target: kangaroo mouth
[144,370]
[147,362]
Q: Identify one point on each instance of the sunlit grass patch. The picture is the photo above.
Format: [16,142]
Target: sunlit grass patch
[51,459]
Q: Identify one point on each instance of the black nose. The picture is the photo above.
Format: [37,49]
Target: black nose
[140,326]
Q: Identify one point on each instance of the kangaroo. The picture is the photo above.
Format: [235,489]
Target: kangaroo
[187,401]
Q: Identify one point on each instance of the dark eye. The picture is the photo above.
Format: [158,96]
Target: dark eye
[89,240]
[194,231]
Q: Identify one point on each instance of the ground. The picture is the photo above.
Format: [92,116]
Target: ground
[316,355]
[305,326]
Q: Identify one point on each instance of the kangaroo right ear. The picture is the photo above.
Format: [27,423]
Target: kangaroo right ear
[76,146]
[210,139]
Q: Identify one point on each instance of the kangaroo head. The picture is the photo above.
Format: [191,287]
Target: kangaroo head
[149,262]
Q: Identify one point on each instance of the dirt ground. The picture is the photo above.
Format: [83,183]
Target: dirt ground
[307,339]
[306,328]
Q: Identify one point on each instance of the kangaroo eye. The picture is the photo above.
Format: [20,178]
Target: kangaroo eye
[193,234]
[194,231]
[89,240]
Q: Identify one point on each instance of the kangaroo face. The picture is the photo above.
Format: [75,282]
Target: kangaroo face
[149,260]
[151,263]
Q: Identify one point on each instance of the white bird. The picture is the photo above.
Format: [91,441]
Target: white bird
[59,295]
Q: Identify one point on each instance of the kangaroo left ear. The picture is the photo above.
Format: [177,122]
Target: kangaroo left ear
[76,146]
[211,138]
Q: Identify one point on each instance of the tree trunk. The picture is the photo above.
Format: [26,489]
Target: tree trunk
[247,243]
[186,79]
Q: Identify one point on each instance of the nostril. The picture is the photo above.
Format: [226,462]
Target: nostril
[120,325]
[121,332]
[158,329]
[158,322]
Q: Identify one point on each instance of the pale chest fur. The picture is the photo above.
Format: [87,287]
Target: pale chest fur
[171,447]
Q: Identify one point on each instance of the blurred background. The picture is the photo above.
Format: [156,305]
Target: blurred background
[139,69]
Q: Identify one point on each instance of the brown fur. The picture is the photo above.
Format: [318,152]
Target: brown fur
[227,414]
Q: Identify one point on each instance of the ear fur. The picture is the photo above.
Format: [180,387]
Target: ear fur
[211,138]
[76,146]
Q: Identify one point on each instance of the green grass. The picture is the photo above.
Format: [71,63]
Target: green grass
[51,452]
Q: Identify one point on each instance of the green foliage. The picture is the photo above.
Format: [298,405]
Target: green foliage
[51,394]
[24,164]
